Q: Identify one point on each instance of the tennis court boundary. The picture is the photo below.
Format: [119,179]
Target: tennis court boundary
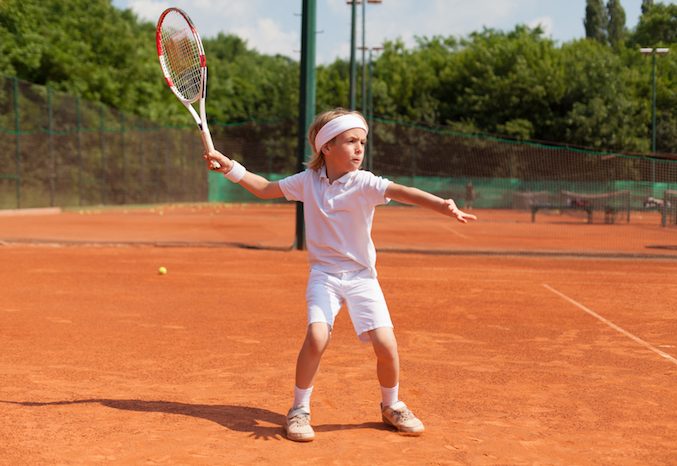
[30,211]
[252,246]
[607,322]
[131,244]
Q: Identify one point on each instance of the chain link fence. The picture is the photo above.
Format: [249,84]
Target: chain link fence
[60,150]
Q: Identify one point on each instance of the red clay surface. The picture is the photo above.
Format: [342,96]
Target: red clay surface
[272,225]
[106,361]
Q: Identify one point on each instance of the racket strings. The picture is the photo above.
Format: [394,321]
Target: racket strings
[182,56]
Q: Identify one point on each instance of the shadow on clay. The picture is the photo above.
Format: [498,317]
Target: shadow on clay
[236,418]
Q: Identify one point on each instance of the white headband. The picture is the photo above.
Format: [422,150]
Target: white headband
[336,126]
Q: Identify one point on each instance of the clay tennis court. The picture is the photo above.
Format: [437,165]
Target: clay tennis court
[520,343]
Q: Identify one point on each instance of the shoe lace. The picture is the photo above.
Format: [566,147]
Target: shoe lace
[404,415]
[300,420]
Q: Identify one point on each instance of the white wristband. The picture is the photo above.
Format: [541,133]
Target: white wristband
[236,173]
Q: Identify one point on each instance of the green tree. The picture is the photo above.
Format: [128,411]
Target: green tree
[244,84]
[517,83]
[646,6]
[22,44]
[666,96]
[595,21]
[333,85]
[616,29]
[411,79]
[600,107]
[65,45]
[656,27]
[498,81]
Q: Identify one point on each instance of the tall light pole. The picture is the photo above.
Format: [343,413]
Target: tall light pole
[654,52]
[369,107]
[353,14]
[353,63]
[307,99]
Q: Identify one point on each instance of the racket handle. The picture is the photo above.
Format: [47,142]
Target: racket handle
[209,146]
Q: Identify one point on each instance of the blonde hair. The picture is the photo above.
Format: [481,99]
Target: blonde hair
[317,160]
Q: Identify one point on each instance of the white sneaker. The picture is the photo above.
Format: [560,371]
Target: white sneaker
[401,418]
[298,425]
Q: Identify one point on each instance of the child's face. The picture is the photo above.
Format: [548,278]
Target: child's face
[346,153]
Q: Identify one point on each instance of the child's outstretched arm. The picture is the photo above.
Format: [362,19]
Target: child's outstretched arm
[255,184]
[415,196]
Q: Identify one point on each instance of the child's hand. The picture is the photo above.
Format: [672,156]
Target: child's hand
[218,162]
[458,213]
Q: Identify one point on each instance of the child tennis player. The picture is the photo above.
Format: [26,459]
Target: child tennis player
[339,201]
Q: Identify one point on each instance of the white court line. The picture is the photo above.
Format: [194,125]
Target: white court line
[612,325]
[30,211]
[456,232]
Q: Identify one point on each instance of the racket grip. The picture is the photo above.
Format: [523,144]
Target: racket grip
[209,146]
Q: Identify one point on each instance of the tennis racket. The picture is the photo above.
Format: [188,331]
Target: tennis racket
[184,65]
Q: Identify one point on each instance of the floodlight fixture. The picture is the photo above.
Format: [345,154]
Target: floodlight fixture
[653,52]
[353,48]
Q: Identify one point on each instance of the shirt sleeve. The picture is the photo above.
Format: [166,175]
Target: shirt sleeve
[293,187]
[374,188]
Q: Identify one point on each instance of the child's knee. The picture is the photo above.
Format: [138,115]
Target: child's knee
[384,343]
[317,337]
[387,352]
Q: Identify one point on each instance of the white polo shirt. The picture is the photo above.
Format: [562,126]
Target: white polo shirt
[338,217]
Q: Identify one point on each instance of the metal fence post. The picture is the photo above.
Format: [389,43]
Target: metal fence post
[17,129]
[124,157]
[141,136]
[104,162]
[50,152]
[78,123]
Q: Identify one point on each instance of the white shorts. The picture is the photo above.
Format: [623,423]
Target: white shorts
[359,290]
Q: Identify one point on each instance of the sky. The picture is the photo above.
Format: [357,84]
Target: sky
[274,26]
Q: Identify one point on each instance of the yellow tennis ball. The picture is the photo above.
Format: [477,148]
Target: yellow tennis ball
[162,270]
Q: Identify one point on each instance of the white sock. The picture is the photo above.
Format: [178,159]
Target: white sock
[302,397]
[390,395]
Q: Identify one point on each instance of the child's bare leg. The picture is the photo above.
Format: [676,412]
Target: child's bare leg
[387,359]
[317,340]
[298,426]
[395,413]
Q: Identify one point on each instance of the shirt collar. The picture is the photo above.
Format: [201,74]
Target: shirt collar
[343,180]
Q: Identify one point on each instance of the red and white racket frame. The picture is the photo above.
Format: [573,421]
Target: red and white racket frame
[201,119]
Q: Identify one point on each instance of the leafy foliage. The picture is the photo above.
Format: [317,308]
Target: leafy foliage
[65,45]
[595,21]
[616,27]
[657,26]
[517,83]
[646,5]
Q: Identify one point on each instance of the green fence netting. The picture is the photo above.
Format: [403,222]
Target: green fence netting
[60,150]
